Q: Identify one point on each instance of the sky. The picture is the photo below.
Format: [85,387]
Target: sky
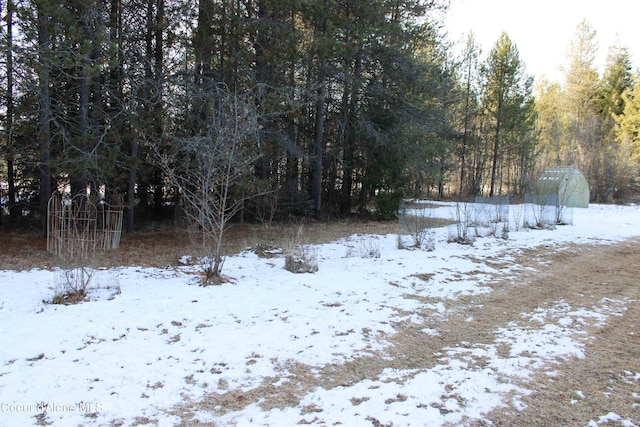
[543,29]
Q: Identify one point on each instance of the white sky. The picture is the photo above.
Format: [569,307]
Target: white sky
[543,29]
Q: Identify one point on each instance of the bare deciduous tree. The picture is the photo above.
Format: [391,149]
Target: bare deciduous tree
[210,168]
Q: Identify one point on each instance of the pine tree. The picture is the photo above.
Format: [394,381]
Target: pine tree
[611,159]
[9,107]
[582,132]
[470,111]
[628,132]
[617,79]
[507,103]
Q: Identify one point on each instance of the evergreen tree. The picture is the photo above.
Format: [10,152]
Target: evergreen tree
[628,134]
[507,103]
[616,80]
[550,123]
[354,98]
[470,112]
[611,160]
[582,133]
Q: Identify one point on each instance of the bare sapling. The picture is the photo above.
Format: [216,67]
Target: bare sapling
[463,217]
[75,251]
[209,169]
[363,247]
[416,223]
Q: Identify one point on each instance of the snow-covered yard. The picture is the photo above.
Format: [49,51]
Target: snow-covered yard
[151,345]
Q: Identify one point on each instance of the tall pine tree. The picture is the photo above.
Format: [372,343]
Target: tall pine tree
[506,100]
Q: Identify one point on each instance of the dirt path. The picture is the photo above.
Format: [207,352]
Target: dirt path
[581,390]
[606,379]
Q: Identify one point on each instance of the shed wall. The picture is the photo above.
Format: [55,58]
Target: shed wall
[568,183]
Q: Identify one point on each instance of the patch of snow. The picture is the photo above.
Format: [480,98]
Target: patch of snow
[148,340]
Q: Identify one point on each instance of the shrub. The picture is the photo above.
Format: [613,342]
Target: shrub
[463,216]
[388,205]
[363,247]
[418,224]
[301,259]
[72,284]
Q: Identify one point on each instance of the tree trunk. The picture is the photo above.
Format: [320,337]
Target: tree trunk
[319,143]
[9,119]
[78,176]
[45,116]
[158,64]
[202,41]
[494,162]
[465,137]
[496,144]
[131,191]
[350,104]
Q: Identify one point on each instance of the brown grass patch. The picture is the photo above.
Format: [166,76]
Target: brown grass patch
[38,357]
[585,276]
[70,297]
[425,277]
[412,223]
[27,250]
[422,205]
[23,251]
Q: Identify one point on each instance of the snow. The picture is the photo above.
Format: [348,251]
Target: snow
[150,340]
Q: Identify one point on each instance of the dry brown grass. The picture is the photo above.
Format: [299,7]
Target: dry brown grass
[28,250]
[23,251]
[582,277]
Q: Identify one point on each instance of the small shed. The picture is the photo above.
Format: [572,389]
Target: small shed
[568,183]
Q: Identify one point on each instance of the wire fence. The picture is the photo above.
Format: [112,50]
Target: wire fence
[546,211]
[76,227]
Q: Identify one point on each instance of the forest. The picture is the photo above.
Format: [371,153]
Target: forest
[265,110]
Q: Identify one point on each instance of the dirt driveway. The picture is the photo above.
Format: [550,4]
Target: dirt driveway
[608,376]
[606,381]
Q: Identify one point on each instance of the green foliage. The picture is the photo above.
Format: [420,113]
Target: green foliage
[583,122]
[629,122]
[388,205]
[357,103]
[616,80]
[509,109]
[628,137]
